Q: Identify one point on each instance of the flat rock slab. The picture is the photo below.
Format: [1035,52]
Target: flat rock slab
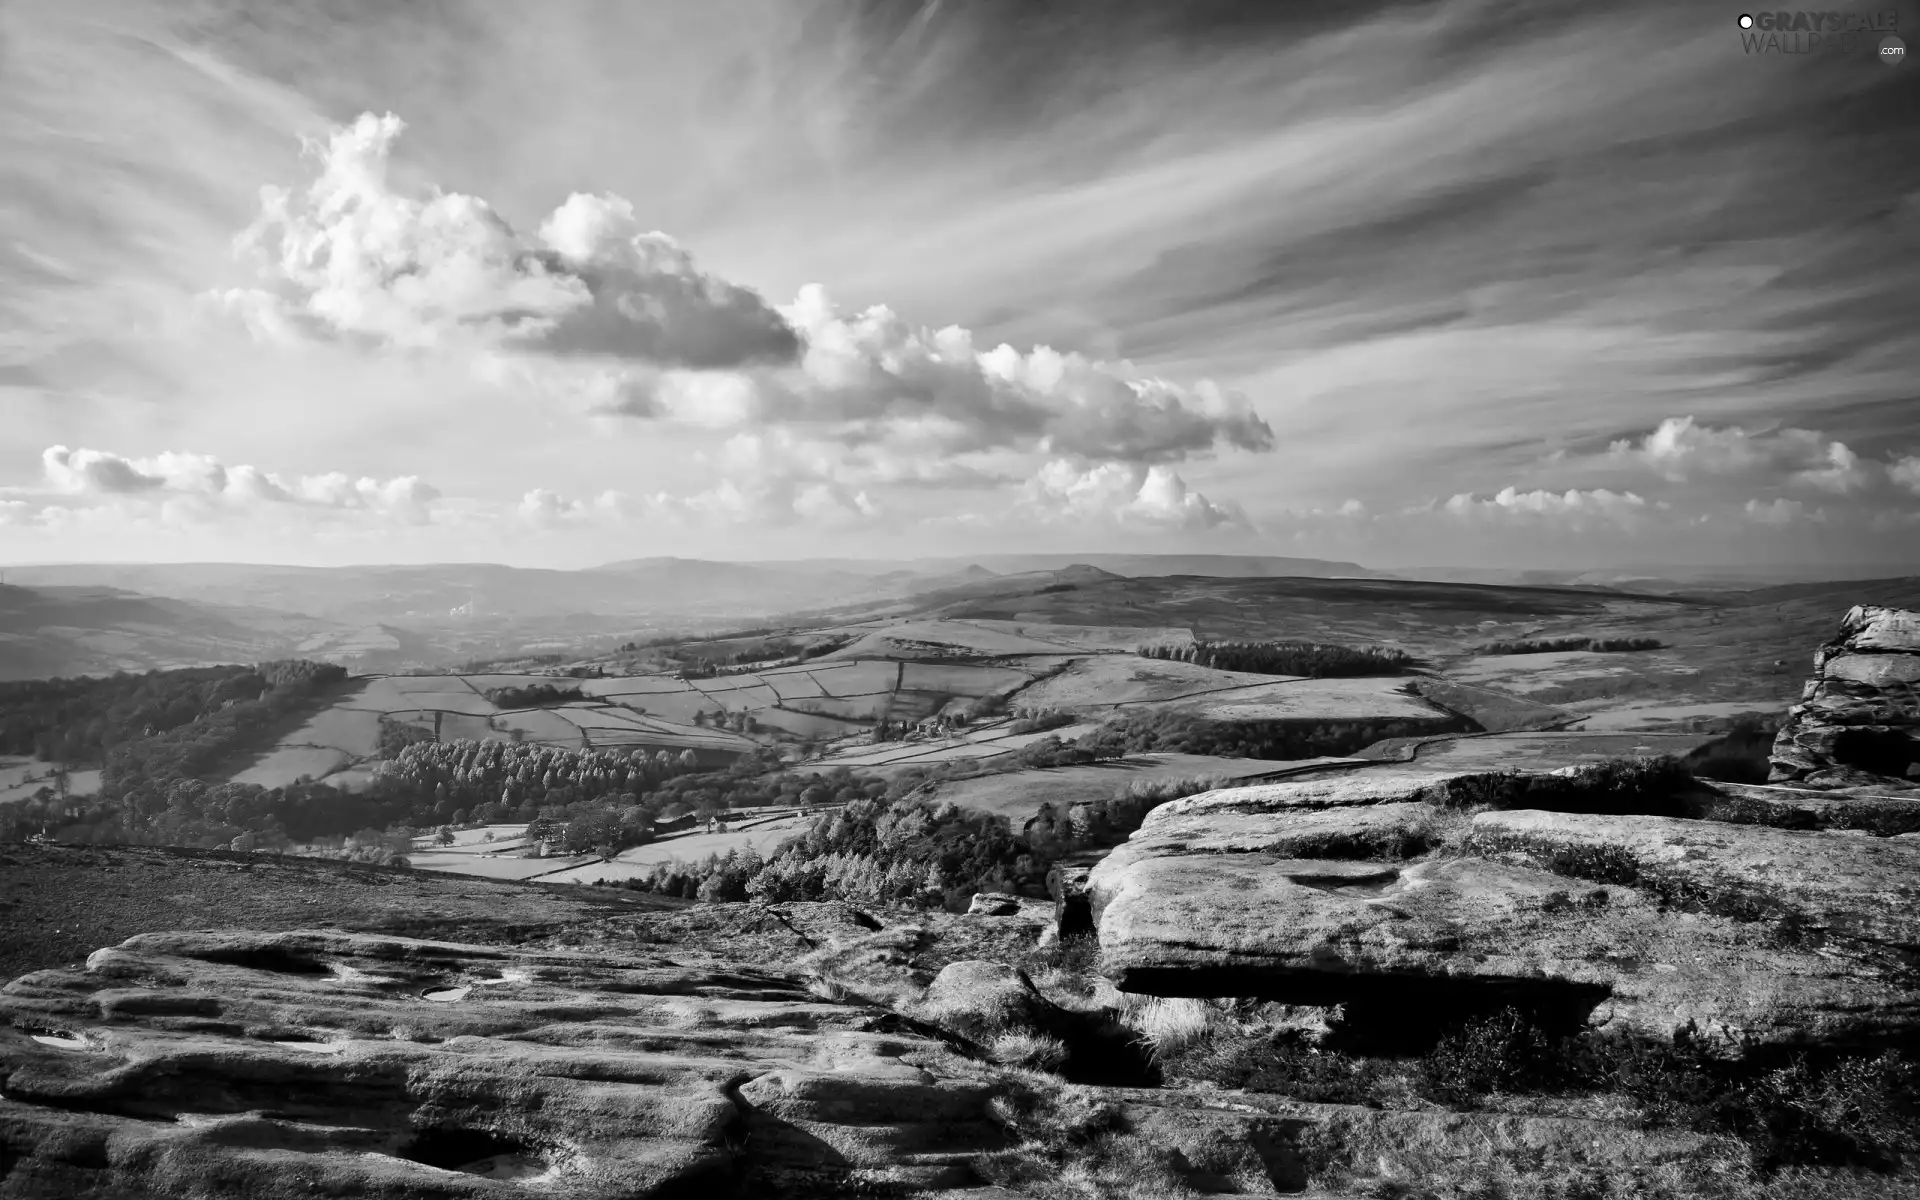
[297,1064]
[1836,886]
[1246,892]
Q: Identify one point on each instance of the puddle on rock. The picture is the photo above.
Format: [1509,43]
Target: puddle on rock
[507,1166]
[445,995]
[314,1047]
[62,1041]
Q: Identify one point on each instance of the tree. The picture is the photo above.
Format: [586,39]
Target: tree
[445,836]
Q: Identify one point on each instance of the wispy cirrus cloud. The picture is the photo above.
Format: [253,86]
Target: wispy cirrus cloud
[1417,251]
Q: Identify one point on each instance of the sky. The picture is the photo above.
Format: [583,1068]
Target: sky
[1468,282]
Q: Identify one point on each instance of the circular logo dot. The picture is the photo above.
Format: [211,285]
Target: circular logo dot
[1893,51]
[1746,21]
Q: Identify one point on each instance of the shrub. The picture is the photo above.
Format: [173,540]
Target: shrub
[1606,645]
[1040,722]
[1550,645]
[1176,731]
[1742,755]
[1621,786]
[1503,1052]
[1280,1063]
[532,696]
[396,736]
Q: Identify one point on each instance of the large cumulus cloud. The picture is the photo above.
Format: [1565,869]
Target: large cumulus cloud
[1125,494]
[351,256]
[1680,450]
[597,309]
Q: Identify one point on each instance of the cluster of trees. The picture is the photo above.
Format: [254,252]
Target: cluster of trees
[1057,830]
[77,721]
[910,849]
[874,851]
[532,695]
[1548,645]
[1314,660]
[1173,731]
[738,722]
[396,736]
[942,724]
[1039,720]
[440,783]
[226,726]
[491,781]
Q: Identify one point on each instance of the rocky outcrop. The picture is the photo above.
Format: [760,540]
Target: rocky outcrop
[1377,891]
[993,904]
[217,1064]
[1857,725]
[235,1064]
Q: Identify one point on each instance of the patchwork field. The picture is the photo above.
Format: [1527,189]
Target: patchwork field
[962,638]
[1018,795]
[20,778]
[761,836]
[1073,650]
[507,865]
[1110,679]
[1315,699]
[1548,751]
[984,742]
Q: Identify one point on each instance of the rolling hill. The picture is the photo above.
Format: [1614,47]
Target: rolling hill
[61,631]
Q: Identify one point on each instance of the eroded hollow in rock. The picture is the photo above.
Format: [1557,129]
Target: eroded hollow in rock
[277,959]
[1387,1015]
[60,1039]
[1880,751]
[475,1151]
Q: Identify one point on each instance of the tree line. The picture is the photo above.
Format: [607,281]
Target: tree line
[77,721]
[1549,645]
[1315,660]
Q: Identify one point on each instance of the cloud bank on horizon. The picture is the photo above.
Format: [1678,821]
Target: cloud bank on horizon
[1399,283]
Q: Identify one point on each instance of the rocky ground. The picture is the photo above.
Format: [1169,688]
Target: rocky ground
[1415,978]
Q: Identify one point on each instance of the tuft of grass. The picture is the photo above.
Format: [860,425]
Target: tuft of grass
[1171,1026]
[1022,1048]
[1076,954]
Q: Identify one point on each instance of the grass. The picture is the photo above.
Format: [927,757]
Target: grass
[1859,1111]
[1170,1025]
[1072,1146]
[1022,1048]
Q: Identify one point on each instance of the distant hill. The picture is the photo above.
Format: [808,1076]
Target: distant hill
[1894,593]
[1219,566]
[440,594]
[65,631]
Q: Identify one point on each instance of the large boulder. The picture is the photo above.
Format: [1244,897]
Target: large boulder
[1857,725]
[1376,891]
